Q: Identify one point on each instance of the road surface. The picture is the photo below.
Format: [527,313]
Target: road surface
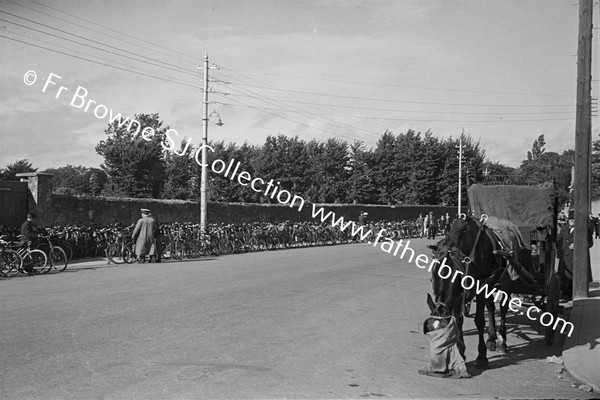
[327,322]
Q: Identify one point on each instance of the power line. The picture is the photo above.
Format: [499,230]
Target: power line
[97,42]
[87,54]
[421,111]
[402,86]
[97,62]
[96,48]
[404,101]
[116,31]
[296,122]
[303,112]
[411,119]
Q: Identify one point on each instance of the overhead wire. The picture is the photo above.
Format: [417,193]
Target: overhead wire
[88,54]
[298,110]
[97,62]
[410,119]
[414,119]
[94,47]
[114,30]
[404,101]
[401,86]
[177,68]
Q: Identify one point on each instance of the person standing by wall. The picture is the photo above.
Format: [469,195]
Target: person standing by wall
[565,246]
[144,234]
[27,228]
[26,236]
[155,250]
[430,225]
[420,223]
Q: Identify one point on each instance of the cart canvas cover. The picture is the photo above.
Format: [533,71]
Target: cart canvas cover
[524,206]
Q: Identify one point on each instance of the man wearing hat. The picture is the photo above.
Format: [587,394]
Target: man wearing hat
[27,228]
[564,245]
[144,234]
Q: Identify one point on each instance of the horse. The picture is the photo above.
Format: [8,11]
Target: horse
[468,250]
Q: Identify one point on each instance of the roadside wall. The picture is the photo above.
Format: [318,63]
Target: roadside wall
[60,210]
[87,210]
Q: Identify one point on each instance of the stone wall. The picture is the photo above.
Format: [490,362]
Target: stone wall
[87,211]
[61,210]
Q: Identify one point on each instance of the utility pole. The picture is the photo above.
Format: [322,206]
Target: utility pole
[460,146]
[204,176]
[583,139]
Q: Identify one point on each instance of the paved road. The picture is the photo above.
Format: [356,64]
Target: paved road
[329,322]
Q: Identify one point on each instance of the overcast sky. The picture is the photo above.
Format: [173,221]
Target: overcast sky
[504,71]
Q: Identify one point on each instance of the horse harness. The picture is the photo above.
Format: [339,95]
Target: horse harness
[461,259]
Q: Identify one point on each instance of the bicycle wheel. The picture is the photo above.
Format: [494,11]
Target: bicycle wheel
[66,246]
[58,258]
[10,263]
[114,254]
[129,255]
[177,250]
[35,262]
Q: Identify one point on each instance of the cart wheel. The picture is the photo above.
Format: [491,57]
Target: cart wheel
[551,306]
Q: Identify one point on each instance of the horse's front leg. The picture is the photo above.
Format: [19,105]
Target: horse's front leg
[491,341]
[481,361]
[502,346]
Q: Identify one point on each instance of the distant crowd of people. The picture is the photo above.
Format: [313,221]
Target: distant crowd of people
[433,226]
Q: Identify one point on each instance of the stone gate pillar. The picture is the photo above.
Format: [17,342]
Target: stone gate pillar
[40,187]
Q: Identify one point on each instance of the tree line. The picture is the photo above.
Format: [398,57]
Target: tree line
[403,168]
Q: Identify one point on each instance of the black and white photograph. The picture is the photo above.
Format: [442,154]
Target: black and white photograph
[299,199]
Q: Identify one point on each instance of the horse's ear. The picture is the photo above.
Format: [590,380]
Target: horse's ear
[433,247]
[430,302]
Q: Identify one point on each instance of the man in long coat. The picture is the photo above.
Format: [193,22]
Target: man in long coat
[564,245]
[144,234]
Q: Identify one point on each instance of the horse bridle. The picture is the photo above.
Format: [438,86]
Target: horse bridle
[466,261]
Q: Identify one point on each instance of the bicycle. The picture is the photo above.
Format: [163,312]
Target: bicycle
[56,255]
[10,260]
[122,250]
[34,261]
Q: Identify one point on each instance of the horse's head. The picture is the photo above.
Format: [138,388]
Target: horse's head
[439,317]
[450,252]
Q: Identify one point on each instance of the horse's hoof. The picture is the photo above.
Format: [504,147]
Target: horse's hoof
[482,363]
[491,345]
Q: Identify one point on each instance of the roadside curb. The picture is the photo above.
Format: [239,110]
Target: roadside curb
[581,351]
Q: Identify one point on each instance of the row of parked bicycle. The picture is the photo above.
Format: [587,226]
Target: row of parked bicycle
[55,247]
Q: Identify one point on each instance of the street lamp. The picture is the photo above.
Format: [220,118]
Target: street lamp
[216,114]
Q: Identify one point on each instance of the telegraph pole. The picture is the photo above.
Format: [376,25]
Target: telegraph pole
[583,139]
[460,146]
[204,176]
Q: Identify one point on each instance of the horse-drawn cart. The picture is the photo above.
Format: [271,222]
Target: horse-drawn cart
[504,248]
[533,209]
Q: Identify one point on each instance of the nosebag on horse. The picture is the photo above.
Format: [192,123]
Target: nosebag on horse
[445,344]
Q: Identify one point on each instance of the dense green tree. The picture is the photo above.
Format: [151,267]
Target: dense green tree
[537,149]
[285,160]
[361,185]
[328,168]
[134,163]
[77,180]
[179,171]
[20,166]
[496,172]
